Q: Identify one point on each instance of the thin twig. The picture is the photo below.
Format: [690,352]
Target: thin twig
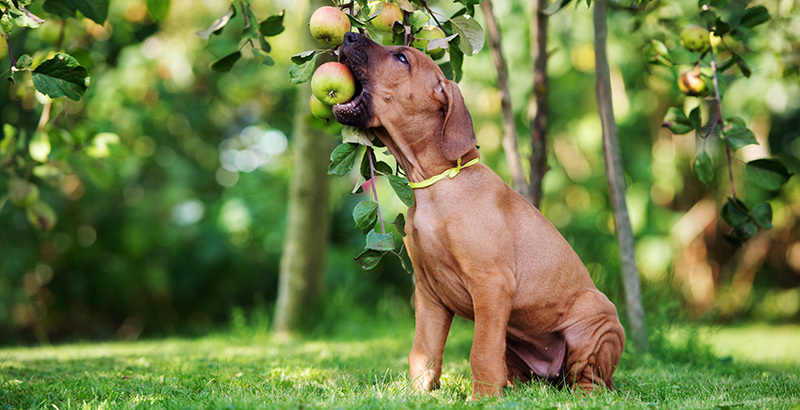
[715,80]
[374,188]
[11,52]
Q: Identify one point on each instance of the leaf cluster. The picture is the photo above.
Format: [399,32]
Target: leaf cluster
[767,173]
[254,34]
[367,214]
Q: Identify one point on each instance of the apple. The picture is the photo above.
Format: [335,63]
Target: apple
[691,84]
[695,38]
[22,193]
[333,83]
[391,12]
[328,25]
[425,35]
[319,109]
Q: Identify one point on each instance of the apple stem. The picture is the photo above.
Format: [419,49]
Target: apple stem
[374,188]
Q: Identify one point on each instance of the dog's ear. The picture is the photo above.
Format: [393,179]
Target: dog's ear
[458,136]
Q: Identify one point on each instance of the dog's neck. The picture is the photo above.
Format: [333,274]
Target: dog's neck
[419,153]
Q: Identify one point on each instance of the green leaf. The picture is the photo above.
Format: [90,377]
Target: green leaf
[273,25]
[218,24]
[95,10]
[380,241]
[39,147]
[401,188]
[8,142]
[383,168]
[456,61]
[159,9]
[743,67]
[304,57]
[356,135]
[557,6]
[300,73]
[677,121]
[754,16]
[400,224]
[354,22]
[767,173]
[656,52]
[470,33]
[369,258]
[703,168]
[365,214]
[266,59]
[59,8]
[24,62]
[343,158]
[737,136]
[735,213]
[417,19]
[762,215]
[746,230]
[721,28]
[694,118]
[6,25]
[100,173]
[61,76]
[224,64]
[26,18]
[251,27]
[366,170]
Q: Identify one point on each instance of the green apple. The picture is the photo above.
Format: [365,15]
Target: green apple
[328,25]
[695,38]
[22,193]
[391,12]
[691,84]
[333,83]
[425,35]
[319,109]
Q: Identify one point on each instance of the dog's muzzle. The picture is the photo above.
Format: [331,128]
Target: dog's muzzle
[352,53]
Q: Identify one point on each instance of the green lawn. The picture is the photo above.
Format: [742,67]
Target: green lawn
[758,368]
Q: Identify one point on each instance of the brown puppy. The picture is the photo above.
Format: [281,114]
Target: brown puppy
[478,248]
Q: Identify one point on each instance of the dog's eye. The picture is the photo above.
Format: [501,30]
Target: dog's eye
[401,57]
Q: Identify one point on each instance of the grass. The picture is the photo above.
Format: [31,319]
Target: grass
[358,368]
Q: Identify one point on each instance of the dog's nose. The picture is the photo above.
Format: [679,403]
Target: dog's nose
[350,38]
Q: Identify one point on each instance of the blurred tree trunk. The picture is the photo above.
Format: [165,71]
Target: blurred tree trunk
[538,106]
[510,146]
[302,263]
[616,182]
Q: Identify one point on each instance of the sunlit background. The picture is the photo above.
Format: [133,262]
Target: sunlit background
[174,220]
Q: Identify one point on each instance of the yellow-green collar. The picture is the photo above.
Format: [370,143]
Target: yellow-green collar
[452,172]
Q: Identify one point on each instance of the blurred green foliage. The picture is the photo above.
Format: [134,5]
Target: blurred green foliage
[174,221]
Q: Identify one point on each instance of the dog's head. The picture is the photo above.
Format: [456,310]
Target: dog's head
[402,89]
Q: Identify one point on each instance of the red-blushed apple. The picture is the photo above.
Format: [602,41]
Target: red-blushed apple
[391,12]
[328,25]
[319,109]
[425,35]
[333,83]
[695,38]
[691,84]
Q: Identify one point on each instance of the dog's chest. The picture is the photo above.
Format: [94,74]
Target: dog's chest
[435,266]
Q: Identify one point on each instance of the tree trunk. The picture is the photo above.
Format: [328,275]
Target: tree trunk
[616,182]
[509,126]
[538,106]
[302,263]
